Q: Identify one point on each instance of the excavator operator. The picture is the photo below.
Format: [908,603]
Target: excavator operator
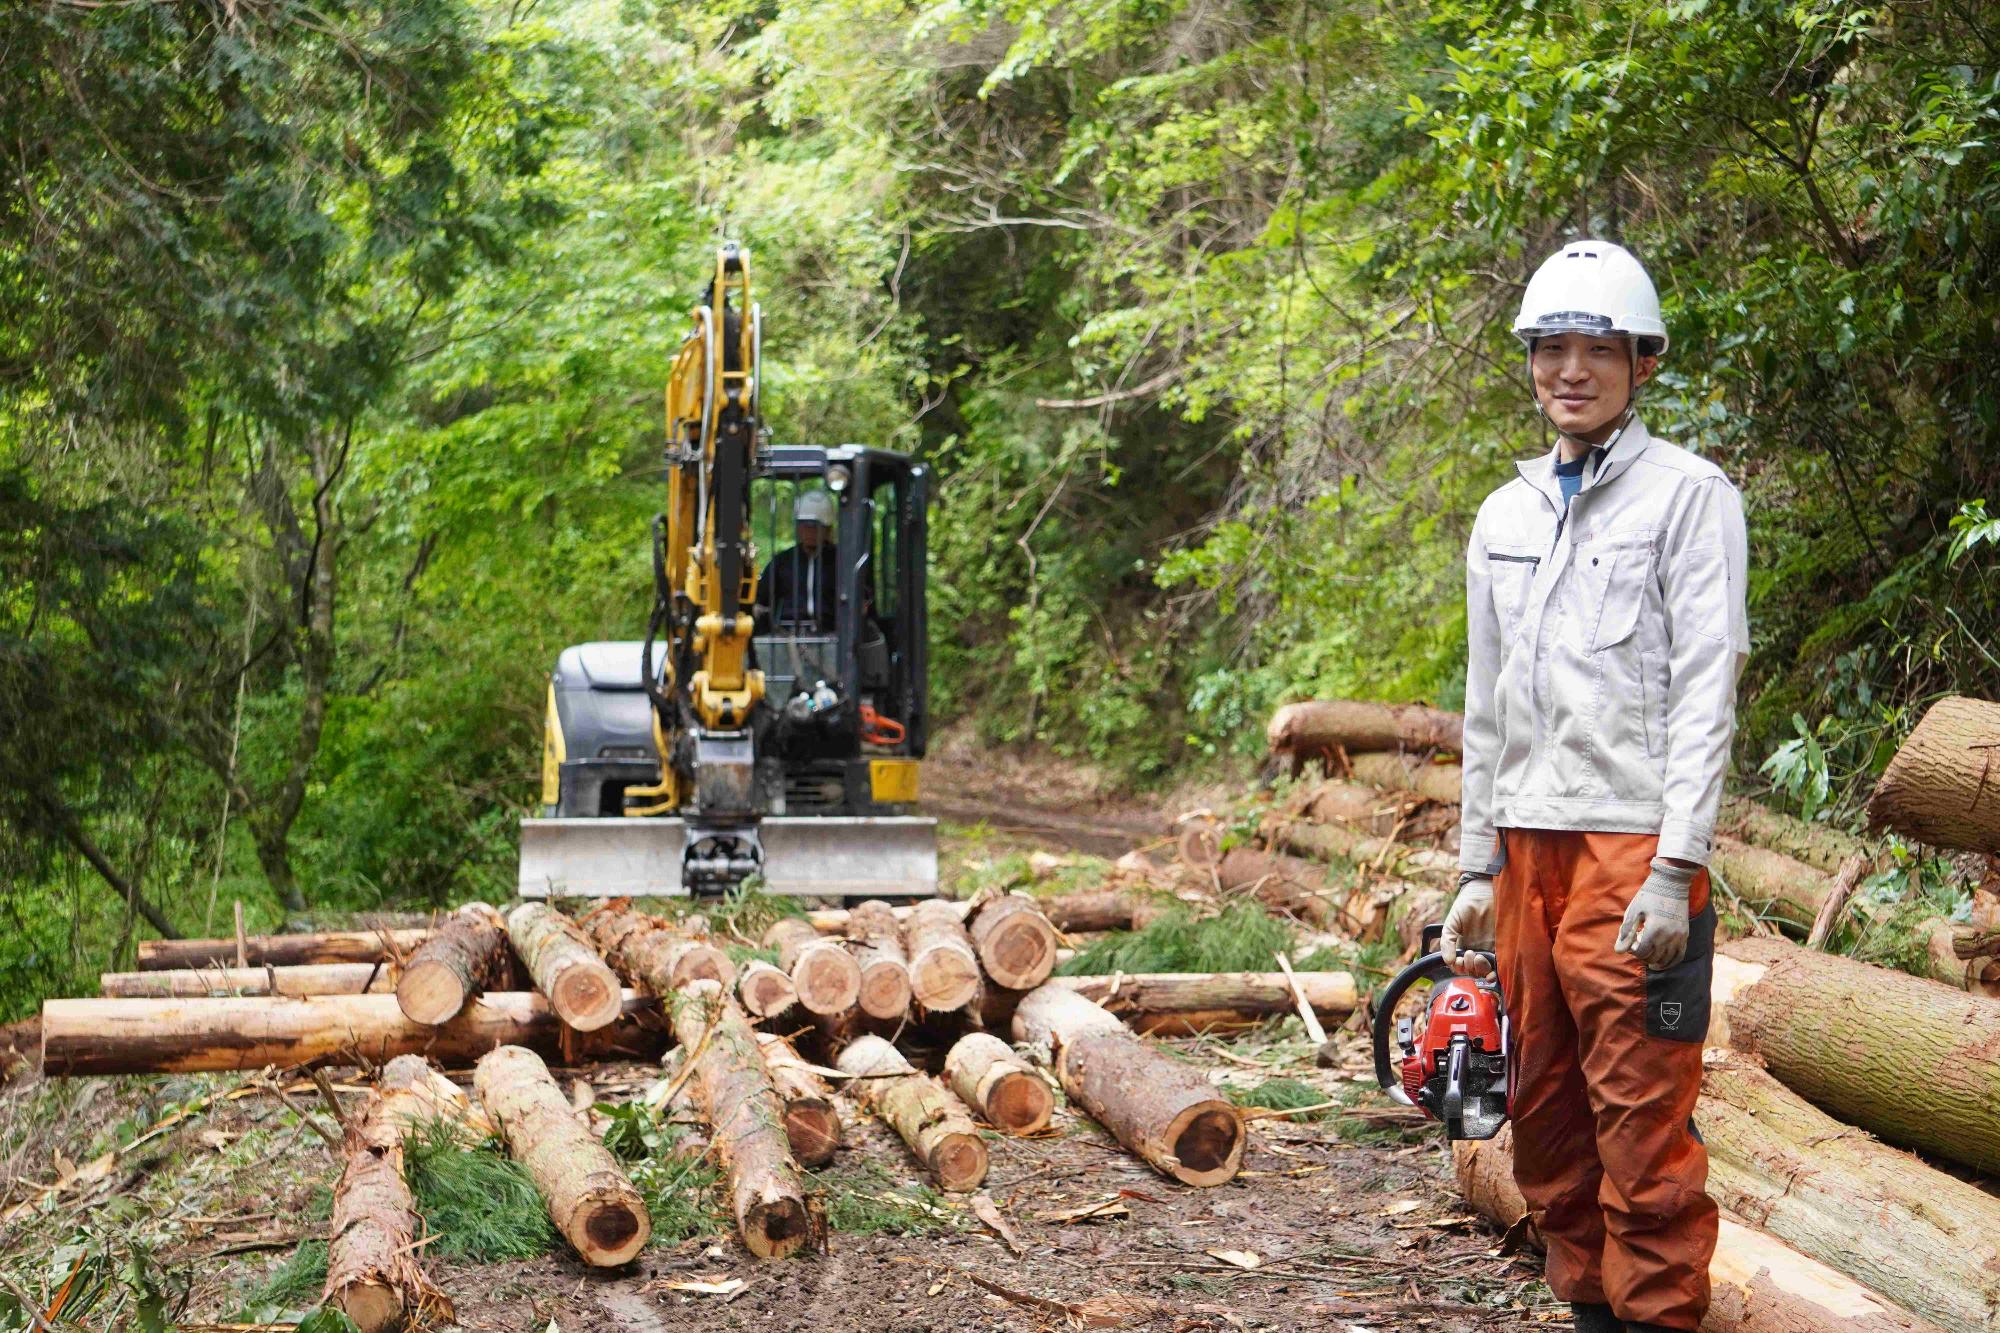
[800,587]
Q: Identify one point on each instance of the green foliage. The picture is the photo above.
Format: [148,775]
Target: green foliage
[100,1281]
[479,1203]
[864,1200]
[680,1187]
[1243,937]
[295,1283]
[1283,1094]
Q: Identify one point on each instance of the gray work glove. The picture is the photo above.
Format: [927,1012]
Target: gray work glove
[1469,925]
[1656,923]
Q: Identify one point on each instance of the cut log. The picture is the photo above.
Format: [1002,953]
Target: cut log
[827,977]
[301,979]
[812,1122]
[1901,1056]
[746,1118]
[647,951]
[1961,955]
[1442,783]
[1772,884]
[1015,942]
[467,955]
[1820,846]
[1102,909]
[186,1036]
[1176,1004]
[877,942]
[765,991]
[581,988]
[372,1273]
[944,968]
[1159,1108]
[1943,786]
[1927,1241]
[1315,730]
[590,1201]
[1285,884]
[1758,1284]
[933,1123]
[413,1091]
[1343,842]
[1001,1086]
[326,946]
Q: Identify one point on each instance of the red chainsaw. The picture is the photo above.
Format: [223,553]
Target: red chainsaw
[1454,1051]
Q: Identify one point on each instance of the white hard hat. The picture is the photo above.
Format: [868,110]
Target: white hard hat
[1592,287]
[814,507]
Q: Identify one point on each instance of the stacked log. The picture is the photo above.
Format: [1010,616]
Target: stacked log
[876,938]
[1943,786]
[931,1122]
[1820,846]
[1001,1086]
[324,946]
[652,953]
[825,976]
[812,1122]
[1322,728]
[467,955]
[1015,943]
[1408,773]
[565,966]
[299,979]
[944,966]
[763,990]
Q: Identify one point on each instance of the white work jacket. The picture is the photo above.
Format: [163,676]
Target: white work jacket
[1604,646]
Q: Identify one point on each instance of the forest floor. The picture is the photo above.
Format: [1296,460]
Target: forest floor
[1345,1223]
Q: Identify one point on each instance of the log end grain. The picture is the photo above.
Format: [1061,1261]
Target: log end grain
[372,1304]
[812,1127]
[958,1162]
[885,989]
[430,992]
[828,979]
[1019,952]
[776,1228]
[586,997]
[765,991]
[613,1228]
[1018,1102]
[1207,1143]
[944,979]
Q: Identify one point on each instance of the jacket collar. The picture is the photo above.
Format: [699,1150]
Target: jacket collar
[1540,471]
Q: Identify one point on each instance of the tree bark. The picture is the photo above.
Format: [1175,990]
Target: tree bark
[1952,954]
[149,1036]
[944,968]
[1254,995]
[1001,1086]
[1758,1283]
[1341,842]
[1102,909]
[1159,1108]
[304,979]
[1443,783]
[413,1091]
[1943,786]
[1015,943]
[877,942]
[467,955]
[1925,1240]
[746,1119]
[812,1122]
[1900,1056]
[1306,731]
[581,988]
[372,1273]
[326,946]
[589,1199]
[933,1123]
[765,991]
[647,951]
[827,977]
[1820,846]
[1772,884]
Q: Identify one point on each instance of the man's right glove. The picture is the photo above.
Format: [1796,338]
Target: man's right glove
[1469,925]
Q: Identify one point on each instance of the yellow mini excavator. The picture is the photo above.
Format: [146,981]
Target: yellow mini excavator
[771,722]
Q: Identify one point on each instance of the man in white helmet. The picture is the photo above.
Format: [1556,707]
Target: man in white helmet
[800,587]
[1606,626]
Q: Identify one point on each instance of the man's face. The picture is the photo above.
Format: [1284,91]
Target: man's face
[1584,381]
[809,534]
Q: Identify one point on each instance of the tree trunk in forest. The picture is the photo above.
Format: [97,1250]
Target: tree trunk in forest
[746,1118]
[467,955]
[1901,1056]
[1820,846]
[1442,783]
[326,946]
[304,979]
[877,943]
[647,951]
[1314,730]
[765,991]
[566,967]
[1159,1108]
[944,967]
[1925,1240]
[372,1273]
[1001,1086]
[826,975]
[1943,786]
[812,1122]
[186,1036]
[929,1119]
[1758,1284]
[1015,942]
[590,1201]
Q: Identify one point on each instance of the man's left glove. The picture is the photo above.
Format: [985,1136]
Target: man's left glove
[1656,922]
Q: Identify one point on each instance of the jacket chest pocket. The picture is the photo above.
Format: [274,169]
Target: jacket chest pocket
[1613,578]
[1512,570]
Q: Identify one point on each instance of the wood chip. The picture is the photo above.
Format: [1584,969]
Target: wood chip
[989,1212]
[1103,1210]
[1244,1259]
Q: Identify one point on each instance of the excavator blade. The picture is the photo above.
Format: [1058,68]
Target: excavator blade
[837,856]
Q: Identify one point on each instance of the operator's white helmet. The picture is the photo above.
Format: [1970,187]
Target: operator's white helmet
[814,507]
[1592,287]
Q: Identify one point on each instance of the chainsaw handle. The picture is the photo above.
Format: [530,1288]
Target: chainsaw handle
[1429,967]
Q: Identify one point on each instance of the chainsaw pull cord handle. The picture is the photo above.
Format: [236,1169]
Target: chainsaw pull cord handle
[1431,967]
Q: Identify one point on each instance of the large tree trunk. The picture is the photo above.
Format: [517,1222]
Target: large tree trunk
[1927,1241]
[186,1036]
[304,979]
[590,1201]
[649,952]
[565,966]
[1770,883]
[1015,942]
[1943,786]
[1315,730]
[827,977]
[327,946]
[1820,846]
[1002,1087]
[1159,1108]
[746,1118]
[1401,772]
[877,941]
[1758,1284]
[812,1122]
[467,955]
[764,990]
[944,967]
[372,1273]
[1901,1056]
[929,1119]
